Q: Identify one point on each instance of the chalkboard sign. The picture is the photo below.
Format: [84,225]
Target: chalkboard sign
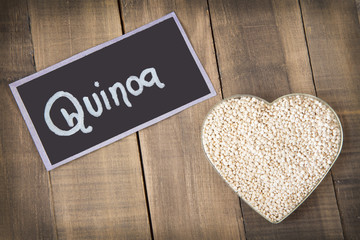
[111,91]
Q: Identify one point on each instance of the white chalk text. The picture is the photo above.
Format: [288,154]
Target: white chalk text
[75,120]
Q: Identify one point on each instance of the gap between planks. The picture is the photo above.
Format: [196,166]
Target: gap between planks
[222,95]
[51,202]
[313,78]
[123,31]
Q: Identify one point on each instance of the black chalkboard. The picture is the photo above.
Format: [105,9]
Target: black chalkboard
[112,90]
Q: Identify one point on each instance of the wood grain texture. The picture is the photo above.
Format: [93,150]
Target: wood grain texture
[262,51]
[261,48]
[358,8]
[101,195]
[187,198]
[25,208]
[333,34]
[15,41]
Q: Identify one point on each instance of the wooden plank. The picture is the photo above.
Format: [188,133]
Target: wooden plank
[16,47]
[358,8]
[25,208]
[333,34]
[187,198]
[262,51]
[100,195]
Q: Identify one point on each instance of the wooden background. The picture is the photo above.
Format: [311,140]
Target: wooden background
[157,184]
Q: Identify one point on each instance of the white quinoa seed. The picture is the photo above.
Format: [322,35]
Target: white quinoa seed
[272,155]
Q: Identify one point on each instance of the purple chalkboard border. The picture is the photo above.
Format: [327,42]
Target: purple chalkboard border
[30,124]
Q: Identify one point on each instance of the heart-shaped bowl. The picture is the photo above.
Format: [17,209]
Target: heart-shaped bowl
[233,166]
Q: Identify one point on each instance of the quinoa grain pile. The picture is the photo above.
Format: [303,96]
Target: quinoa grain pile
[272,155]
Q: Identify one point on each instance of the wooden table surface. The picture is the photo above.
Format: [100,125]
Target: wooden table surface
[157,183]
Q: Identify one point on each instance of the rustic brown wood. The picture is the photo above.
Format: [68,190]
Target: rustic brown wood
[261,48]
[25,208]
[100,195]
[16,47]
[187,198]
[262,51]
[358,8]
[333,34]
